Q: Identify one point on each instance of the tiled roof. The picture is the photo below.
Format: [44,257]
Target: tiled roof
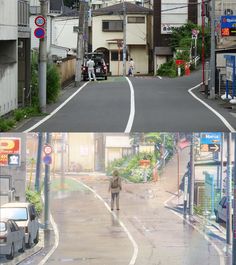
[118,8]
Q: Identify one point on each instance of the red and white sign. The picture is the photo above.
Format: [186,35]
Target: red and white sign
[179,62]
[9,146]
[47,149]
[40,21]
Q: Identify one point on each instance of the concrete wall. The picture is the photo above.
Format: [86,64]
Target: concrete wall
[8,56]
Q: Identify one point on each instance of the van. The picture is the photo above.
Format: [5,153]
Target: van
[24,214]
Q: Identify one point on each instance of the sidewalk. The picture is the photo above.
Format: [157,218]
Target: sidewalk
[209,228]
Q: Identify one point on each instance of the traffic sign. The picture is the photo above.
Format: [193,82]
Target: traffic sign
[40,21]
[47,149]
[39,33]
[47,159]
[210,142]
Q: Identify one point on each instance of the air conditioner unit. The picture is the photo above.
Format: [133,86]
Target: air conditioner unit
[228,12]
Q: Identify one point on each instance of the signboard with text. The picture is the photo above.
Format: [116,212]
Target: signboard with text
[228,26]
[210,142]
[10,149]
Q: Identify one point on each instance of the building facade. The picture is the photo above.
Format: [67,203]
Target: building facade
[8,56]
[108,33]
[167,15]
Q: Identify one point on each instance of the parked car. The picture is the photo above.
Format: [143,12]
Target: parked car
[100,68]
[24,214]
[221,210]
[12,238]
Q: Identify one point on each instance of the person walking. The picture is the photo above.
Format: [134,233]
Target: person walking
[115,187]
[90,65]
[131,67]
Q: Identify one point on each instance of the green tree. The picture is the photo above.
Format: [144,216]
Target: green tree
[53,83]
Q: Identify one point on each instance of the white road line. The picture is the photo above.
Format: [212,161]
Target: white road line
[135,246]
[218,250]
[132,108]
[56,110]
[56,243]
[226,123]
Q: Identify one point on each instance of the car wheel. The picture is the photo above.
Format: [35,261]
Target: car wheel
[22,250]
[36,240]
[29,244]
[11,255]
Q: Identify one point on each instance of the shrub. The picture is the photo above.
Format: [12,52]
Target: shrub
[6,124]
[53,83]
[168,69]
[35,198]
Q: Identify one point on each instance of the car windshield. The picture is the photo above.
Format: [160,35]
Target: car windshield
[3,226]
[17,214]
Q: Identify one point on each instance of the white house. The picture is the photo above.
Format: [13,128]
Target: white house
[8,56]
[107,36]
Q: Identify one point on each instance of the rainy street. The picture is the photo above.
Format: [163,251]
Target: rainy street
[144,231]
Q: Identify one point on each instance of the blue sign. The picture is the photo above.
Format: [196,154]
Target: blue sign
[210,138]
[228,22]
[39,33]
[47,160]
[228,26]
[230,73]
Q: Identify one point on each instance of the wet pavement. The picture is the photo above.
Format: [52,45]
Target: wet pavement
[148,229]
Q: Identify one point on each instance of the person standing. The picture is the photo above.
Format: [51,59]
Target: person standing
[131,67]
[90,65]
[115,187]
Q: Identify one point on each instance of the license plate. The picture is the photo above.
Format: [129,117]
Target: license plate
[98,70]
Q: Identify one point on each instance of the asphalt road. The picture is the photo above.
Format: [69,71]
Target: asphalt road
[91,234]
[159,105]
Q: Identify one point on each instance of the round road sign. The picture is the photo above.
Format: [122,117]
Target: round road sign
[39,33]
[47,160]
[40,21]
[47,149]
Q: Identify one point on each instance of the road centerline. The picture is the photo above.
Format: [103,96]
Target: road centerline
[132,107]
[135,245]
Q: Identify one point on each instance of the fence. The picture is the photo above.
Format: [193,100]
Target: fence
[66,69]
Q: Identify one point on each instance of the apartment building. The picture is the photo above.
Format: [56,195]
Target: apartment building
[8,56]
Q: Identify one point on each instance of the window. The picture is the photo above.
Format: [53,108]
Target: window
[136,20]
[3,226]
[112,25]
[114,56]
[17,214]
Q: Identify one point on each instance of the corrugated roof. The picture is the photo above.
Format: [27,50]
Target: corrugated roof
[118,8]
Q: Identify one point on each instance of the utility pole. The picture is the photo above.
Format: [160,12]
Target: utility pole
[47,188]
[234,218]
[229,192]
[63,161]
[191,177]
[43,60]
[203,48]
[80,42]
[86,32]
[38,163]
[213,47]
[221,163]
[124,38]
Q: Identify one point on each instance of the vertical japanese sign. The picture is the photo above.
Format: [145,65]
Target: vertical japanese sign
[10,150]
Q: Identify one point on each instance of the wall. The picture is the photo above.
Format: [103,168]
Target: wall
[64,35]
[8,56]
[67,69]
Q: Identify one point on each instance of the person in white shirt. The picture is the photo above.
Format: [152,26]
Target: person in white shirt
[131,67]
[90,65]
